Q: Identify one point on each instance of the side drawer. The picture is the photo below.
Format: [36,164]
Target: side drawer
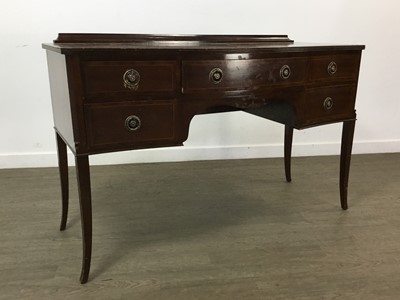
[334,67]
[198,76]
[132,77]
[328,104]
[130,124]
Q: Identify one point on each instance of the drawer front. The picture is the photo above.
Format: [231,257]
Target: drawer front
[228,75]
[328,104]
[133,77]
[334,67]
[130,124]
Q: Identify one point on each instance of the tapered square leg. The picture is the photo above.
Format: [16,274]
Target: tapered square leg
[288,151]
[63,169]
[345,157]
[85,200]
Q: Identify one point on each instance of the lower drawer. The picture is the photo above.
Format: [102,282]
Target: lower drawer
[328,104]
[130,124]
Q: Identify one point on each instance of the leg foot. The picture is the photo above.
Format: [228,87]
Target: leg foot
[288,151]
[345,157]
[83,176]
[63,169]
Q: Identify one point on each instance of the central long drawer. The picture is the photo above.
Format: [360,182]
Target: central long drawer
[202,76]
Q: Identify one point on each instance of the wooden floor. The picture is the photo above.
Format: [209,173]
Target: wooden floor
[207,230]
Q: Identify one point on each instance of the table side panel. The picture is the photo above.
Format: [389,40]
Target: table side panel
[60,98]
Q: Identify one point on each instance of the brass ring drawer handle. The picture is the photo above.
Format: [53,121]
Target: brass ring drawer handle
[328,103]
[216,75]
[131,79]
[133,123]
[285,72]
[332,68]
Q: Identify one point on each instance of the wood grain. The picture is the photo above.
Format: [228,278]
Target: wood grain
[207,230]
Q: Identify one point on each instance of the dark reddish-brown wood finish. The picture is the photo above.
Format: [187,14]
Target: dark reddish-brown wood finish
[114,92]
[288,140]
[63,168]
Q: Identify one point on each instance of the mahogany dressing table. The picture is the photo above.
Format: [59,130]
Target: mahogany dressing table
[114,92]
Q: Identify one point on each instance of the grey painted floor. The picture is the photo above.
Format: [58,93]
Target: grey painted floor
[207,230]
